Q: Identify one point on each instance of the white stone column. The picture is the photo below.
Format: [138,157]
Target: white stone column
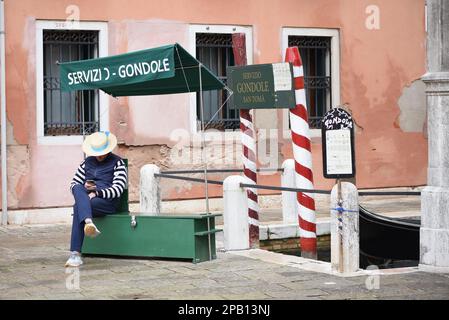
[150,192]
[235,217]
[289,204]
[345,256]
[434,232]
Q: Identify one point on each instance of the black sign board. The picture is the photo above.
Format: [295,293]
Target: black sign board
[337,134]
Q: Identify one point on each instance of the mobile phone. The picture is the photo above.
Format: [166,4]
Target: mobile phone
[90,185]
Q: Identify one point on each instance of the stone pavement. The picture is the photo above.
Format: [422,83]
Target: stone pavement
[32,259]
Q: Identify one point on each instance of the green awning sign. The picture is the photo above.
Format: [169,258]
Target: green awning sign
[262,86]
[162,70]
[145,65]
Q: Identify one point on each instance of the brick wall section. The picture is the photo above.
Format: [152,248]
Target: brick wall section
[323,242]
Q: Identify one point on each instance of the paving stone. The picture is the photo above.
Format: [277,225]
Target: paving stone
[137,296]
[32,259]
[349,293]
[224,276]
[189,271]
[15,296]
[154,284]
[66,296]
[206,291]
[198,282]
[314,294]
[206,297]
[247,296]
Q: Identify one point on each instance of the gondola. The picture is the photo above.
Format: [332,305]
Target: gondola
[384,240]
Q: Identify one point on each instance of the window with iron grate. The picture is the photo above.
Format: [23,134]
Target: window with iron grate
[74,112]
[214,50]
[316,58]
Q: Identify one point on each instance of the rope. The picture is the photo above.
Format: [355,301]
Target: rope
[219,170]
[170,176]
[341,210]
[221,107]
[257,186]
[188,88]
[390,193]
[182,69]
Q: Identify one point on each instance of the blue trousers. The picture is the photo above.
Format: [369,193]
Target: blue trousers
[85,208]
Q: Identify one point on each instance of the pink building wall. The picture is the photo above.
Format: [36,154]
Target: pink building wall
[377,68]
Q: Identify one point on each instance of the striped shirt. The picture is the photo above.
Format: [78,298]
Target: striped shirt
[110,176]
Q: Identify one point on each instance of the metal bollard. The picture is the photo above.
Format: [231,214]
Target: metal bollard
[289,203]
[345,228]
[150,193]
[235,217]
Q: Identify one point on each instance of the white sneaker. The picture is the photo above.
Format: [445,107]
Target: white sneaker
[74,260]
[91,230]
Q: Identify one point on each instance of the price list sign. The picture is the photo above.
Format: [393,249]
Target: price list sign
[338,144]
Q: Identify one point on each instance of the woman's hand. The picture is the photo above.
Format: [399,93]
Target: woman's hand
[92,195]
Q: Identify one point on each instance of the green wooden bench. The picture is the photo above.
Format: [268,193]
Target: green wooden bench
[164,236]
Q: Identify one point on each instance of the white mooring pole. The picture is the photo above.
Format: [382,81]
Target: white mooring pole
[344,232]
[235,217]
[150,192]
[289,204]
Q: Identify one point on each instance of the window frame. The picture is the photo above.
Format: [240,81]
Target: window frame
[41,25]
[202,28]
[334,34]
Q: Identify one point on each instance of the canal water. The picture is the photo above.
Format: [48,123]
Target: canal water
[324,254]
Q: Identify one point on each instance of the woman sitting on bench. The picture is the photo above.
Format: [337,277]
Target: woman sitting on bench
[97,186]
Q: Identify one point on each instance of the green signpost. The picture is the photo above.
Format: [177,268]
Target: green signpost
[262,86]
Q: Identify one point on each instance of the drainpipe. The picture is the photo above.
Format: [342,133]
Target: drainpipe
[3,116]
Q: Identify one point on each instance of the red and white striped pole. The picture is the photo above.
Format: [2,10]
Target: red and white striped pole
[250,171]
[248,146]
[303,158]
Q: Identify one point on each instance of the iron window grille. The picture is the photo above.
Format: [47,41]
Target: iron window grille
[215,52]
[75,112]
[316,58]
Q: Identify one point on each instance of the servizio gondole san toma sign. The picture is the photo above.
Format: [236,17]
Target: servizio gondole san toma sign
[261,86]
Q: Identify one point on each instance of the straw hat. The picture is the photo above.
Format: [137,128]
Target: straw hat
[99,143]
